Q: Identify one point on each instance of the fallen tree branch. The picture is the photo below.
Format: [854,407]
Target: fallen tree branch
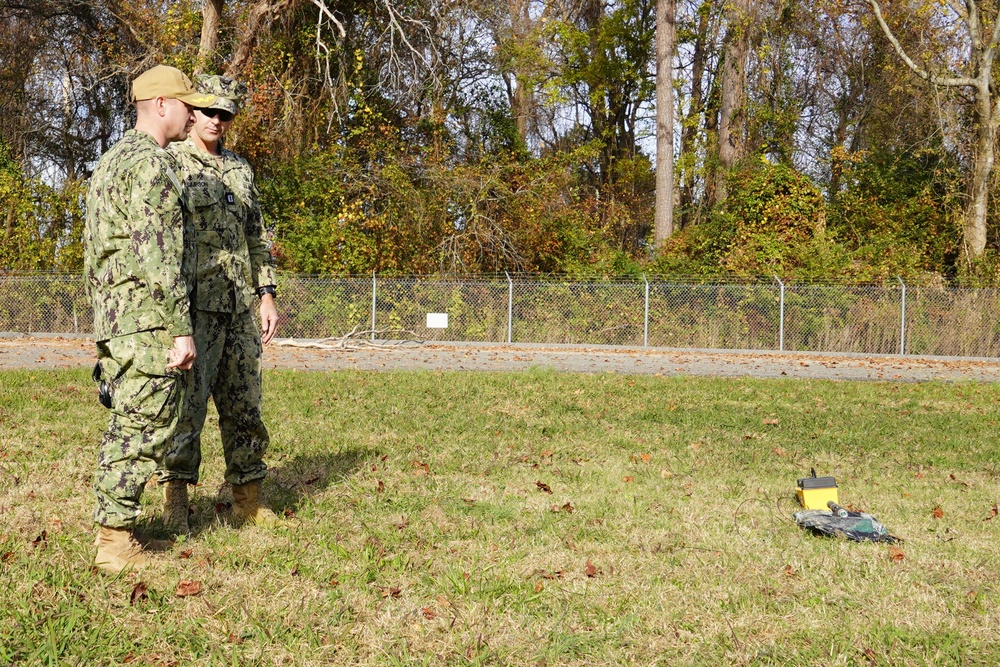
[357,339]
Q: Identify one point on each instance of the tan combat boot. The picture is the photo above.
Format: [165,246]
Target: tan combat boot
[176,507]
[117,549]
[248,507]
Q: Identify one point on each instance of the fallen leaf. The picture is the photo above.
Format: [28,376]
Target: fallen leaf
[696,446]
[420,465]
[770,422]
[289,514]
[558,574]
[591,570]
[938,512]
[443,601]
[391,592]
[428,613]
[7,557]
[138,593]
[334,583]
[646,458]
[187,587]
[186,553]
[896,554]
[542,486]
[539,586]
[993,512]
[41,540]
[235,638]
[790,571]
[546,454]
[628,479]
[381,487]
[870,656]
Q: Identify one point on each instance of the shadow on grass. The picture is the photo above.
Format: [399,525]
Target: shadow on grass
[308,475]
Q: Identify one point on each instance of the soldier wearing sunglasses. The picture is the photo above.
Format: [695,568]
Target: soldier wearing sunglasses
[235,272]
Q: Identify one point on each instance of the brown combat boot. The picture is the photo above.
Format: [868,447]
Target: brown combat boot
[248,508]
[176,506]
[117,549]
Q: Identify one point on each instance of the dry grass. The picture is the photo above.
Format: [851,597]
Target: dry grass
[419,530]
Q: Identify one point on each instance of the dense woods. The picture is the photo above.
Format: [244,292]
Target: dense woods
[813,139]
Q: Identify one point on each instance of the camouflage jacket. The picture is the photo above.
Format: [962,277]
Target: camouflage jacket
[138,260]
[234,256]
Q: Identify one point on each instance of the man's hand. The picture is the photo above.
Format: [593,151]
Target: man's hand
[183,354]
[268,318]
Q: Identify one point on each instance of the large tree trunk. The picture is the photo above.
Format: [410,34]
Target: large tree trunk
[211,19]
[974,229]
[732,113]
[665,39]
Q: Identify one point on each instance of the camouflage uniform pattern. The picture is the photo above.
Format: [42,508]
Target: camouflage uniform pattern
[144,416]
[135,262]
[138,264]
[234,258]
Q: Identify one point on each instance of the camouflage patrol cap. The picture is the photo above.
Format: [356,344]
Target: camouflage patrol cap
[168,82]
[227,92]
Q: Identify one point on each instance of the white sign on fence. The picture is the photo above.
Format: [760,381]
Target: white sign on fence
[437,320]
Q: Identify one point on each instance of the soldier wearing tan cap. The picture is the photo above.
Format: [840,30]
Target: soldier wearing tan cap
[139,266]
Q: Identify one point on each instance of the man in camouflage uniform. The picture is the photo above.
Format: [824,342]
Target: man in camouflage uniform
[139,269]
[235,268]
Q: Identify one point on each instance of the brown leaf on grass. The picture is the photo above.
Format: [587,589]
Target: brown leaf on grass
[993,512]
[428,613]
[235,638]
[542,486]
[771,422]
[443,601]
[539,586]
[628,479]
[958,481]
[646,458]
[138,593]
[391,592]
[790,571]
[187,587]
[40,541]
[381,487]
[421,468]
[558,574]
[591,570]
[896,554]
[289,514]
[568,508]
[938,513]
[334,583]
[7,557]
[546,454]
[870,656]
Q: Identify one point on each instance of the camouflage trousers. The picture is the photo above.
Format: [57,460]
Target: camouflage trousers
[146,397]
[227,369]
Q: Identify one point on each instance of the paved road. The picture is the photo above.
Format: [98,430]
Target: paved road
[73,352]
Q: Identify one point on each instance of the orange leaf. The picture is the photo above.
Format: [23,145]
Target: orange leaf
[185,554]
[628,479]
[993,512]
[646,458]
[770,422]
[938,513]
[539,586]
[591,570]
[789,571]
[428,613]
[896,554]
[187,587]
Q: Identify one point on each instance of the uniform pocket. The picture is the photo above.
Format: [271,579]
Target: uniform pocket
[146,390]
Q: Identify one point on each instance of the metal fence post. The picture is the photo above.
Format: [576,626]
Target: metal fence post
[902,318]
[373,305]
[510,308]
[645,321]
[781,315]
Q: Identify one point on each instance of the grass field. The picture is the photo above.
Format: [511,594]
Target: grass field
[524,519]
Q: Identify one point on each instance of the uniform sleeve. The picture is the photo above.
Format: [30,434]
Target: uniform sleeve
[258,244]
[156,231]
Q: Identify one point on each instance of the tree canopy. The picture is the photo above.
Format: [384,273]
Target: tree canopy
[811,139]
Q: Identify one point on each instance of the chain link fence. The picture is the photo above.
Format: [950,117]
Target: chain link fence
[654,312]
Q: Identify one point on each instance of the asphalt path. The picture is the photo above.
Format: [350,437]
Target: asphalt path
[53,352]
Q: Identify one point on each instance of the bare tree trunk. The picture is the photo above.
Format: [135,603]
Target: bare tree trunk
[690,126]
[982,50]
[259,17]
[666,37]
[211,18]
[732,113]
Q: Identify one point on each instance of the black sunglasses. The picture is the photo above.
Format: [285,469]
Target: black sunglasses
[223,115]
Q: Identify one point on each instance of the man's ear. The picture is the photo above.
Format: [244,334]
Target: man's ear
[160,104]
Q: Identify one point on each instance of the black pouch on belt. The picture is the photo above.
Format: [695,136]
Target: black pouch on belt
[103,388]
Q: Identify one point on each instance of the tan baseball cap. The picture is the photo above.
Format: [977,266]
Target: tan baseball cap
[169,82]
